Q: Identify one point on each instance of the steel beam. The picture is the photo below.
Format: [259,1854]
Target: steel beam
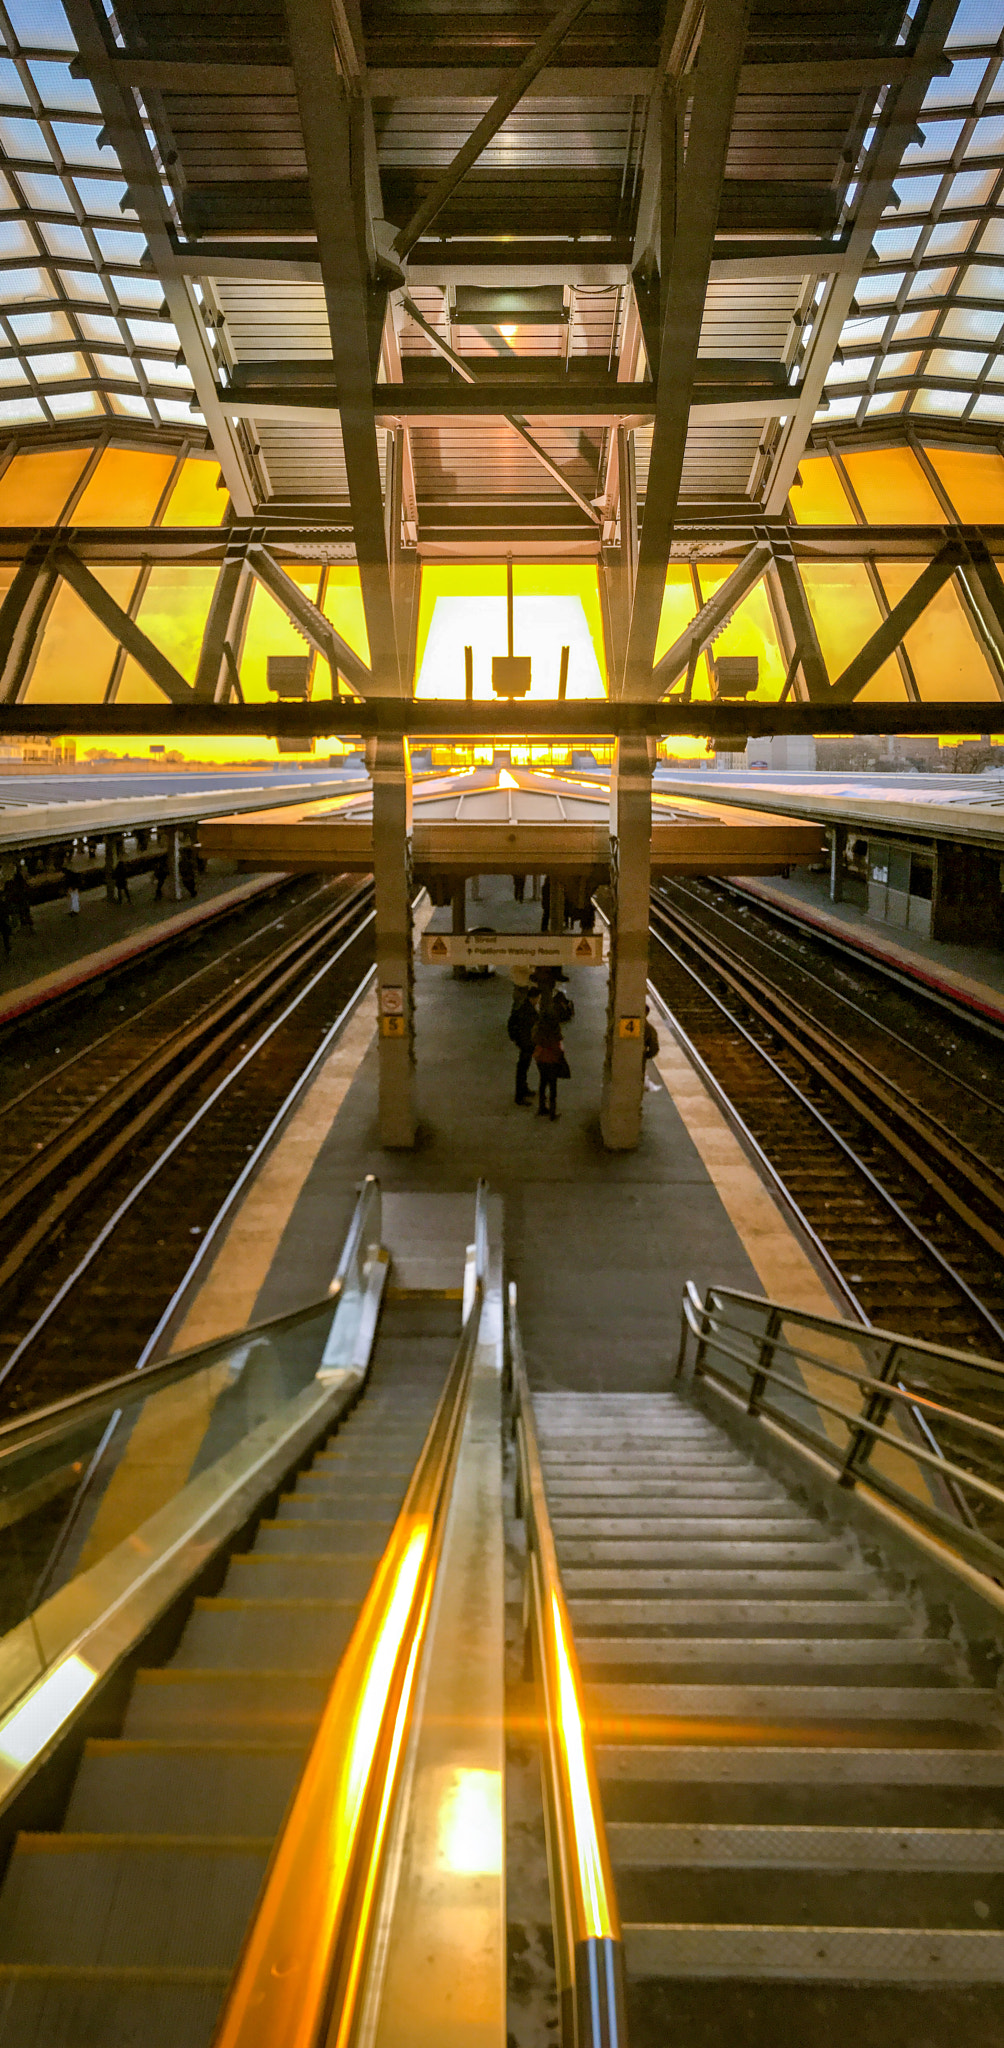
[219,657]
[895,129]
[22,619]
[513,420]
[91,32]
[122,628]
[309,620]
[355,314]
[803,625]
[722,44]
[712,618]
[507,98]
[885,640]
[596,718]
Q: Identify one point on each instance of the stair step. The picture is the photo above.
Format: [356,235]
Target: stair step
[250,1635]
[739,1618]
[873,1955]
[128,1899]
[313,1507]
[799,1895]
[716,1521]
[302,1533]
[788,1704]
[161,1788]
[705,1550]
[684,1763]
[658,1846]
[750,1654]
[770,1581]
[107,2008]
[214,1705]
[318,1575]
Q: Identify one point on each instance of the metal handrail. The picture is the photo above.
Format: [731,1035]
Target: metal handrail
[755,1351]
[301,1977]
[589,1952]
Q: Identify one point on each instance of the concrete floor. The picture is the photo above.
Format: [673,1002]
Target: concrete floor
[600,1245]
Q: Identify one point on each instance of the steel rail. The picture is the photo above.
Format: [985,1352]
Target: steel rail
[848,1073]
[589,1951]
[80,1155]
[301,1976]
[182,1137]
[866,1428]
[919,1237]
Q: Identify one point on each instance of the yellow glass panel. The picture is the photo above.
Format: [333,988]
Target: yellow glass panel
[195,499]
[173,611]
[846,613]
[270,632]
[76,657]
[750,631]
[555,606]
[343,605]
[944,652]
[125,490]
[974,482]
[820,498]
[34,488]
[891,487]
[136,687]
[678,607]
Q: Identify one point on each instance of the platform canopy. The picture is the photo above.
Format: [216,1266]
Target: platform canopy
[501,820]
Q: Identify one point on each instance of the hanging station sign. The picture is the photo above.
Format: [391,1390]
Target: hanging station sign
[512,949]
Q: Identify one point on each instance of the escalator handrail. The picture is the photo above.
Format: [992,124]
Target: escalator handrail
[301,1975]
[589,1953]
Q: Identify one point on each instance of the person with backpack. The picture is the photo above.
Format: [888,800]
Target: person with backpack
[651,1049]
[521,1026]
[549,1053]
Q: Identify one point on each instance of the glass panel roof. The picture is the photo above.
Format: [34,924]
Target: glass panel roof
[92,346]
[949,204]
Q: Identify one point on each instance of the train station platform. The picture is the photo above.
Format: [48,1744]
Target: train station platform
[971,975]
[600,1244]
[63,953]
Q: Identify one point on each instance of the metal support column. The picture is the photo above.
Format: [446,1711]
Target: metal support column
[631,846]
[111,856]
[394,955]
[174,843]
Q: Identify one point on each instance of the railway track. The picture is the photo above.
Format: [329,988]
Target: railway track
[892,1161]
[101,1214]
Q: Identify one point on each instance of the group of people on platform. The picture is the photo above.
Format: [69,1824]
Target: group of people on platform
[540,1009]
[22,891]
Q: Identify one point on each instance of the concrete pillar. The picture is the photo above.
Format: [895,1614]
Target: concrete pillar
[174,870]
[556,907]
[838,848]
[631,861]
[391,768]
[458,903]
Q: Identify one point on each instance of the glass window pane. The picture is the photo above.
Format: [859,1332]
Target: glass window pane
[749,631]
[846,613]
[270,632]
[951,403]
[196,499]
[992,238]
[72,405]
[898,365]
[955,362]
[60,91]
[343,605]
[678,607]
[125,490]
[944,652]
[83,284]
[959,88]
[967,323]
[971,188]
[174,609]
[877,288]
[67,242]
[56,368]
[891,486]
[932,284]
[35,488]
[18,411]
[950,238]
[974,482]
[913,326]
[35,327]
[819,499]
[75,661]
[40,25]
[16,239]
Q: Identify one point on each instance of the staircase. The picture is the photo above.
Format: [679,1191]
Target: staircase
[802,1772]
[124,1928]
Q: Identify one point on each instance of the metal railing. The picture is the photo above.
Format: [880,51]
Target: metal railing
[589,1954]
[877,1407]
[301,1978]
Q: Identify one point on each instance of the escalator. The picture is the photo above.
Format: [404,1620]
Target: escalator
[124,1924]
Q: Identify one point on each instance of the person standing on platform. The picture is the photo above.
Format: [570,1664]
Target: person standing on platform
[651,1049]
[188,872]
[549,1053]
[121,877]
[521,1027]
[160,872]
[19,896]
